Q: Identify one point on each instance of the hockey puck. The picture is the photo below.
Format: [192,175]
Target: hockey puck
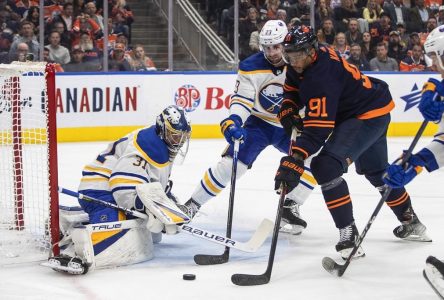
[188,276]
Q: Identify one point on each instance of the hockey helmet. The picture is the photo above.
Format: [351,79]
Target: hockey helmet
[273,32]
[434,44]
[300,38]
[173,126]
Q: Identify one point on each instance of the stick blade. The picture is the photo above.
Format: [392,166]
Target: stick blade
[332,267]
[208,259]
[250,280]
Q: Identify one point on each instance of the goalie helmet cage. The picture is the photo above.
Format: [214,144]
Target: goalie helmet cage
[29,225]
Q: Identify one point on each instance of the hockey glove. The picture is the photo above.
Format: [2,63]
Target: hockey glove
[431,106]
[289,116]
[397,176]
[289,173]
[232,129]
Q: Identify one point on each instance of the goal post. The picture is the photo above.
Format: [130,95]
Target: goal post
[29,225]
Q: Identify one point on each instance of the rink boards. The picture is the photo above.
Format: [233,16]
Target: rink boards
[94,107]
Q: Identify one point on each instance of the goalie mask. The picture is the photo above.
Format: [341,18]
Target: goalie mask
[173,126]
[434,47]
[270,39]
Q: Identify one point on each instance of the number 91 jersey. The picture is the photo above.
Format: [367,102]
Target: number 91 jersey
[137,158]
[259,89]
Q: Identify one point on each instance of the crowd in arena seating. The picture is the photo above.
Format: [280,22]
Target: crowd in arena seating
[73,37]
[375,35]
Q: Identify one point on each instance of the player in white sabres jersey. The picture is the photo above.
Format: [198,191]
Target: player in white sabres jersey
[430,157]
[142,158]
[253,120]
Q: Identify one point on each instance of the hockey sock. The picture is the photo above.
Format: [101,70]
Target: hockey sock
[399,201]
[337,198]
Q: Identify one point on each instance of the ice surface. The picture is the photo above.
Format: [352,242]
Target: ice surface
[391,269]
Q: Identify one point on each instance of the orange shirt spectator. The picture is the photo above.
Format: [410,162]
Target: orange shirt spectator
[413,63]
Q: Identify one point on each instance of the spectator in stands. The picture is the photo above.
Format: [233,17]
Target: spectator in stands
[382,62]
[57,52]
[91,11]
[228,19]
[414,40]
[79,7]
[414,62]
[356,58]
[380,31]
[419,15]
[343,13]
[119,25]
[33,16]
[246,27]
[254,37]
[139,61]
[122,14]
[353,35]
[65,36]
[323,11]
[57,66]
[403,34]
[440,17]
[66,17]
[395,49]
[91,53]
[22,54]
[117,60]
[52,8]
[303,12]
[78,64]
[23,6]
[372,11]
[366,49]
[327,33]
[5,45]
[432,23]
[340,45]
[281,15]
[272,7]
[397,11]
[84,23]
[26,36]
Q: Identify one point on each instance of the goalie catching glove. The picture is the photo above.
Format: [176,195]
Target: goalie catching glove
[289,173]
[232,129]
[289,117]
[164,215]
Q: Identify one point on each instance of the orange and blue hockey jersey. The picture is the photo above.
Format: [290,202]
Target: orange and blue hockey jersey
[331,100]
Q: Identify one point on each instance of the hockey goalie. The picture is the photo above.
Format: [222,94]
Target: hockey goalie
[133,173]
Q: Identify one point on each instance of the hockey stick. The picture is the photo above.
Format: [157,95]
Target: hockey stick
[208,259]
[337,269]
[264,278]
[251,245]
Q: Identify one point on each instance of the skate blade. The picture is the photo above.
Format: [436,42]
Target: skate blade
[291,229]
[434,279]
[64,269]
[418,238]
[346,253]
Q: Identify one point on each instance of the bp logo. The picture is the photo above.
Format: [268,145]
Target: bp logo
[188,97]
[270,97]
[412,99]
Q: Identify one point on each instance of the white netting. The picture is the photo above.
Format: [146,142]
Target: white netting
[24,169]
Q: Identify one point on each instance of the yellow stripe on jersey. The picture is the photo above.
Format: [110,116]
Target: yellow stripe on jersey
[255,72]
[119,181]
[309,178]
[98,178]
[146,157]
[98,237]
[210,185]
[98,170]
[242,101]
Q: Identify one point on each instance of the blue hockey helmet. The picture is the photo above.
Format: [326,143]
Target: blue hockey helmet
[173,126]
[300,38]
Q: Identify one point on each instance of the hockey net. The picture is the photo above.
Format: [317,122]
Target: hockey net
[28,163]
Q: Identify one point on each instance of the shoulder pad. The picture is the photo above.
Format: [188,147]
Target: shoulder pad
[151,147]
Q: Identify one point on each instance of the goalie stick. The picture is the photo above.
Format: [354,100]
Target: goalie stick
[337,269]
[208,259]
[258,238]
[264,278]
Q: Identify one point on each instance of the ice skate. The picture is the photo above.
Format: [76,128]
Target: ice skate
[291,221]
[411,229]
[67,264]
[190,208]
[434,274]
[347,240]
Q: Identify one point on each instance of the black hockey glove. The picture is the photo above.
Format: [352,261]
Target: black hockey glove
[289,116]
[289,173]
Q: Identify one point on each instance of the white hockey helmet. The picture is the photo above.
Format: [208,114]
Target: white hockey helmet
[273,32]
[434,44]
[173,126]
